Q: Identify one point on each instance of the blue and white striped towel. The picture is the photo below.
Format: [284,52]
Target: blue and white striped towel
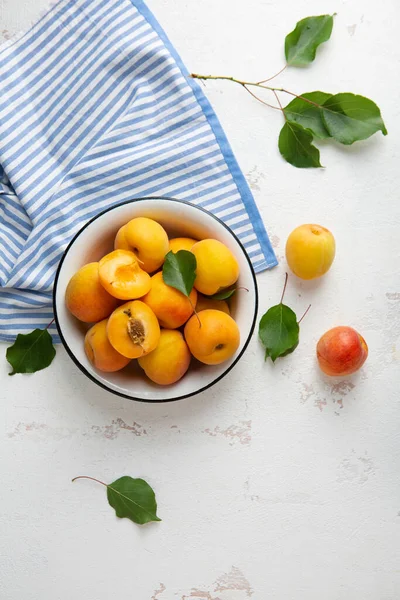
[96,108]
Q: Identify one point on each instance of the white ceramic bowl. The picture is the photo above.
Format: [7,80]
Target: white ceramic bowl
[95,240]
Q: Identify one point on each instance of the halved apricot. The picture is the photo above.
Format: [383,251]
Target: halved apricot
[122,277]
[133,329]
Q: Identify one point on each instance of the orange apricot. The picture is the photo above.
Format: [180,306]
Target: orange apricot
[214,339]
[171,307]
[133,329]
[147,239]
[204,303]
[169,361]
[217,267]
[100,352]
[120,274]
[86,298]
[181,243]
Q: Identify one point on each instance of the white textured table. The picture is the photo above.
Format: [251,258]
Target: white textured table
[277,483]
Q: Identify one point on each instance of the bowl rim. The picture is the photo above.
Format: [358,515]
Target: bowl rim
[84,370]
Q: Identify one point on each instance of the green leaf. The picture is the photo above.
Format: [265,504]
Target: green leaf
[349,118]
[308,115]
[224,294]
[302,43]
[179,270]
[279,331]
[133,499]
[296,147]
[31,352]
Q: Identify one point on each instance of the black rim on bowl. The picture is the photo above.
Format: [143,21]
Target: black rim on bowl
[86,372]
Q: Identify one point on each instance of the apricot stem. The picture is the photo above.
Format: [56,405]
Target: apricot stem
[284,287]
[309,306]
[91,478]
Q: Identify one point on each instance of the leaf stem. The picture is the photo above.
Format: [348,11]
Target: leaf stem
[50,324]
[194,310]
[304,314]
[284,287]
[91,478]
[279,102]
[259,99]
[273,76]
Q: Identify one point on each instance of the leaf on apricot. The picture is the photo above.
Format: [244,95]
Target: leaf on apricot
[179,270]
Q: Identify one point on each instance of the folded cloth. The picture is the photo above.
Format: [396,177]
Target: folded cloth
[96,107]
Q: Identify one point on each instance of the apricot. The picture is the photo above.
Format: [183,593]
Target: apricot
[341,351]
[310,250]
[169,361]
[204,303]
[216,340]
[146,239]
[100,352]
[216,266]
[86,298]
[133,329]
[181,243]
[171,307]
[121,276]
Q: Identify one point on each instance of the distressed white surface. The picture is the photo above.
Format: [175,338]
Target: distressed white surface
[277,483]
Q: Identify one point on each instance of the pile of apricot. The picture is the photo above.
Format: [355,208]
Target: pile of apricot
[136,315]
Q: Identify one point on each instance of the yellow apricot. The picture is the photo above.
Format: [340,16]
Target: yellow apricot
[171,307]
[147,239]
[100,352]
[120,274]
[181,243]
[204,303]
[86,298]
[169,361]
[216,266]
[133,329]
[216,340]
[310,250]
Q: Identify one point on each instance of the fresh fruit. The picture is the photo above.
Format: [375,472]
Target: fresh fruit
[216,266]
[133,329]
[86,298]
[181,243]
[100,352]
[121,275]
[147,239]
[215,340]
[341,351]
[310,250]
[204,303]
[171,307]
[169,361]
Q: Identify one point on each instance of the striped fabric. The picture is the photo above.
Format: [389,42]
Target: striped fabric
[96,108]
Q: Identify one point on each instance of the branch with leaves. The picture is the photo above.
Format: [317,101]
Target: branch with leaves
[345,117]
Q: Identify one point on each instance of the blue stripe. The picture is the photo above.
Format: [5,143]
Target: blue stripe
[82,103]
[74,67]
[32,68]
[85,135]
